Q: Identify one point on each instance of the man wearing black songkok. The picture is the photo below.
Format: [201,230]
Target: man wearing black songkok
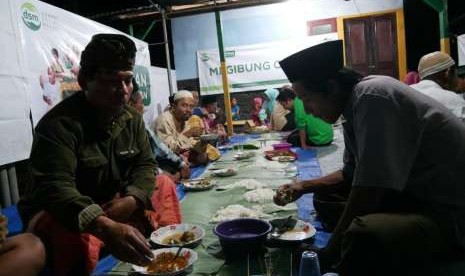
[398,203]
[92,166]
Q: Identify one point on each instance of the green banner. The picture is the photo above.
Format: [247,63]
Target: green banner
[142,76]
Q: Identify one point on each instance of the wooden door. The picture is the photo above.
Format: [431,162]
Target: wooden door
[357,45]
[371,44]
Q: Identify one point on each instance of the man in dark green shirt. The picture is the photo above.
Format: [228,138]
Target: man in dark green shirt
[91,161]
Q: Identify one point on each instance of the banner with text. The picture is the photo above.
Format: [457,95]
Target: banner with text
[252,67]
[41,47]
[461,49]
[52,41]
[160,93]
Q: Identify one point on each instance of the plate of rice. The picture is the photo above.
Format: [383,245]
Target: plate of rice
[225,172]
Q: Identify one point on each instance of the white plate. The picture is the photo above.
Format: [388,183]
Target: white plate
[257,130]
[216,167]
[302,231]
[184,252]
[243,155]
[225,147]
[225,172]
[159,235]
[283,158]
[193,185]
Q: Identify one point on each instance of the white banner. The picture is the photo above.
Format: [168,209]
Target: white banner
[41,47]
[15,128]
[461,49]
[253,67]
[160,93]
[52,41]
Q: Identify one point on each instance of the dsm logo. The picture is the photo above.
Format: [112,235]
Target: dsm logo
[30,16]
[204,57]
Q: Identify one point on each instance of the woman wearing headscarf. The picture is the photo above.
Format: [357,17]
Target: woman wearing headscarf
[279,116]
[268,106]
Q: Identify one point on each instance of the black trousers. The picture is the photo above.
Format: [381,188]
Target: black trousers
[397,241]
[294,140]
[330,205]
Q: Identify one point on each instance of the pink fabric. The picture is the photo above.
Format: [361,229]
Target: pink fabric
[411,78]
[165,203]
[68,251]
[257,103]
[255,118]
[209,123]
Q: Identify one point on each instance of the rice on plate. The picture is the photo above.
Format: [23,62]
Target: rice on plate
[238,211]
[260,195]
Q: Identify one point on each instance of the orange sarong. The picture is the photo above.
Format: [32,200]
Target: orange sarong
[71,253]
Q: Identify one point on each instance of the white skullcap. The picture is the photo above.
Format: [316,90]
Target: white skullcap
[433,63]
[182,94]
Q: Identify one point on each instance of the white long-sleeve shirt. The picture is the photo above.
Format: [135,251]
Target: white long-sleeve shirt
[454,102]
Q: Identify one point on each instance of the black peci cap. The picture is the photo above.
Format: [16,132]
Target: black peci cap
[314,63]
[208,99]
[109,51]
[285,94]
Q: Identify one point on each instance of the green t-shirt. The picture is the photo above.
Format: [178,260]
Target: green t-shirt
[318,131]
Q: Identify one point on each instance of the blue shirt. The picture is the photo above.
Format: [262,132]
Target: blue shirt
[197,111]
[165,157]
[235,112]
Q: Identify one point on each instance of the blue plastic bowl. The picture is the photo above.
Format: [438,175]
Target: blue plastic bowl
[244,235]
